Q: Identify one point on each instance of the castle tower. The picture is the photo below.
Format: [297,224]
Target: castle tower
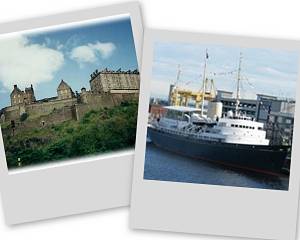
[29,95]
[64,91]
[16,96]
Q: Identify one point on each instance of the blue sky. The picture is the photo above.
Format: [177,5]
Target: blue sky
[264,71]
[43,58]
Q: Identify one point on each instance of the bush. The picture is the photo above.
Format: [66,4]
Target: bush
[99,131]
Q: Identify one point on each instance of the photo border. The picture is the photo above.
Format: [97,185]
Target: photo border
[69,187]
[203,208]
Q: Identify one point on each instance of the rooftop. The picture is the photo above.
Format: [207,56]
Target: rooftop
[182,108]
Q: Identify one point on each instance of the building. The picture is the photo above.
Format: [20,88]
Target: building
[64,91]
[246,106]
[18,97]
[108,89]
[267,104]
[108,80]
[279,128]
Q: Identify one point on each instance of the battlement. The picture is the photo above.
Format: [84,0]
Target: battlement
[108,71]
[106,80]
[107,88]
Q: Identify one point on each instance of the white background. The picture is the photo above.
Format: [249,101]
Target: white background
[267,18]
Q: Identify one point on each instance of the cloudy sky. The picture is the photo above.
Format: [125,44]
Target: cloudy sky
[44,58]
[267,71]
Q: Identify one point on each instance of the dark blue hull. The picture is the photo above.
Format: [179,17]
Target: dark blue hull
[264,159]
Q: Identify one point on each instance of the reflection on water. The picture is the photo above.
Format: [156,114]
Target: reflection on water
[166,166]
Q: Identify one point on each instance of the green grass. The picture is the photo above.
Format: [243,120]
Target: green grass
[97,132]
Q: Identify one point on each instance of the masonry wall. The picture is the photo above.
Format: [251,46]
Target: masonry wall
[14,112]
[46,108]
[97,102]
[104,82]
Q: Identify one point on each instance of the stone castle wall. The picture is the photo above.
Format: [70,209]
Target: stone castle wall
[108,89]
[55,117]
[35,109]
[106,81]
[44,108]
[97,102]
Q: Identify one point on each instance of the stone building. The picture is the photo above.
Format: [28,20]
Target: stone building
[107,80]
[64,91]
[108,89]
[18,97]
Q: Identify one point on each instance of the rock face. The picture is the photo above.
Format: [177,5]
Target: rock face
[108,89]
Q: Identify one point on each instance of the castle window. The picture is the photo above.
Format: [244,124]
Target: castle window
[14,96]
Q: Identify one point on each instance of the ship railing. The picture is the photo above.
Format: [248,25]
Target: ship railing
[187,134]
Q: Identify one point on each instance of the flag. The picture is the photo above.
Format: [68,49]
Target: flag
[206,55]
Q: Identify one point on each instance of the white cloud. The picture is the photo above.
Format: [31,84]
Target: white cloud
[89,53]
[24,63]
[83,54]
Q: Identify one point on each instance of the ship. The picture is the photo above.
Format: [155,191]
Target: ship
[233,139]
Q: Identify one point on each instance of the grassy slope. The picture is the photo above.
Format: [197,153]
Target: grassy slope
[97,132]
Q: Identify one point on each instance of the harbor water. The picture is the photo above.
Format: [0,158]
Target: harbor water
[163,165]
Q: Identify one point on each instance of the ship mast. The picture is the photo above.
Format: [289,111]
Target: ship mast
[237,102]
[204,83]
[178,75]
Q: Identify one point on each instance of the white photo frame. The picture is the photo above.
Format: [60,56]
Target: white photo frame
[202,208]
[70,187]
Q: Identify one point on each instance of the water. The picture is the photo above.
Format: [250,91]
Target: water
[167,166]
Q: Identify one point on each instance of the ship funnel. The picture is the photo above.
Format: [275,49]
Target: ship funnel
[214,110]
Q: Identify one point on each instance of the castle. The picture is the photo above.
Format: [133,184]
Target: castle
[108,88]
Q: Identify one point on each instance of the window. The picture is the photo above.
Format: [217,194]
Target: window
[279,119]
[288,121]
[260,128]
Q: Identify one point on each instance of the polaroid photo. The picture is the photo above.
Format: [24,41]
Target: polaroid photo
[69,87]
[217,135]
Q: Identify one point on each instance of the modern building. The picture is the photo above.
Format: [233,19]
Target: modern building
[277,114]
[246,106]
[279,128]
